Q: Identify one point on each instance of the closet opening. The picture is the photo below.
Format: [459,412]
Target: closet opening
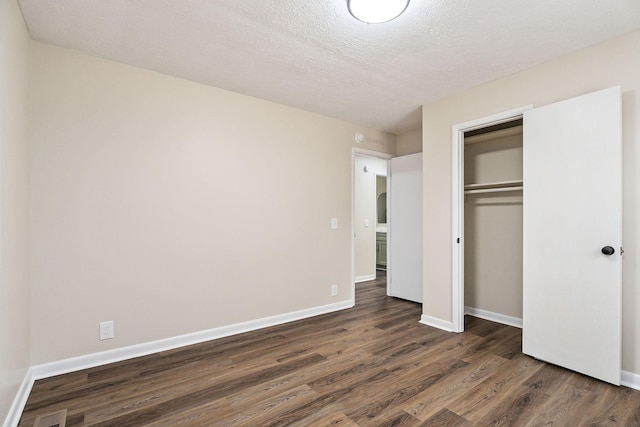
[493,223]
[487,208]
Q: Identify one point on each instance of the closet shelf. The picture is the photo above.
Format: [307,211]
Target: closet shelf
[493,187]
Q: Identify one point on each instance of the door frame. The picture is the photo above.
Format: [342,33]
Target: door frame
[457,205]
[363,152]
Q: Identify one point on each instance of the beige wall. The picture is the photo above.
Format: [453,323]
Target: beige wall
[409,142]
[14,208]
[493,228]
[616,62]
[365,209]
[171,207]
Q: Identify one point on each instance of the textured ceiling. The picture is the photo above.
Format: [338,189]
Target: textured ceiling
[313,55]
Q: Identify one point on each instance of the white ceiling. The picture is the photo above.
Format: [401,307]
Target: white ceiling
[313,55]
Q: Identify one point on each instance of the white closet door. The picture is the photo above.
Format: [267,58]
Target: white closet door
[572,210]
[405,273]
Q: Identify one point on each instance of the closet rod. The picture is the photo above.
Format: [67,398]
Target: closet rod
[493,190]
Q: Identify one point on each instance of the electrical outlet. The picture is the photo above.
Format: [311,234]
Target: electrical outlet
[106,330]
[334,290]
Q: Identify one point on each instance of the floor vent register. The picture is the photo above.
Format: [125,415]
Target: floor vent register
[54,419]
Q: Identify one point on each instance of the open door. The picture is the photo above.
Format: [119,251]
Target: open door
[405,274]
[572,270]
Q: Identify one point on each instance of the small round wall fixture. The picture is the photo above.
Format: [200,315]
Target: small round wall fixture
[376,11]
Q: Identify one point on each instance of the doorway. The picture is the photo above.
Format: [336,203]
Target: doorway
[493,223]
[481,126]
[370,215]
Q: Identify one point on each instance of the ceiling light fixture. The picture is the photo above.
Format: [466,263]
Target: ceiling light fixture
[376,11]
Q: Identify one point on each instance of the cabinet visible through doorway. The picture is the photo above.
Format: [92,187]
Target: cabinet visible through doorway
[381,250]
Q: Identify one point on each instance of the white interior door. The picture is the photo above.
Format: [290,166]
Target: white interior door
[405,222]
[572,210]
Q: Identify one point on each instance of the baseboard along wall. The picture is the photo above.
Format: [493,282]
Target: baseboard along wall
[494,317]
[630,379]
[93,360]
[627,379]
[46,370]
[436,323]
[365,278]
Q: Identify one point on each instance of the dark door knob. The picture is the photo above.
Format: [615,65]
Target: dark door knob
[608,250]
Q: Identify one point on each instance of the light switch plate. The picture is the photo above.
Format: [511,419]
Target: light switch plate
[334,223]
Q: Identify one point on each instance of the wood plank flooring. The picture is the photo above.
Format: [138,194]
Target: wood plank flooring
[373,365]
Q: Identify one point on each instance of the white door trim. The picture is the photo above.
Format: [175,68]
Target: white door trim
[367,153]
[457,208]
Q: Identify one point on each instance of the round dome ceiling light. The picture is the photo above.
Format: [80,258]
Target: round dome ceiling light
[376,11]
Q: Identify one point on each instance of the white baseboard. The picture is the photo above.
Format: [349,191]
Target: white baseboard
[436,323]
[365,278]
[65,366]
[494,317]
[15,411]
[630,379]
[103,358]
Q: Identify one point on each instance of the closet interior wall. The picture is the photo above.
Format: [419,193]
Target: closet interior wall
[493,222]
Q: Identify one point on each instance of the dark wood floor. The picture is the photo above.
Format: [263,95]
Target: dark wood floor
[373,365]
